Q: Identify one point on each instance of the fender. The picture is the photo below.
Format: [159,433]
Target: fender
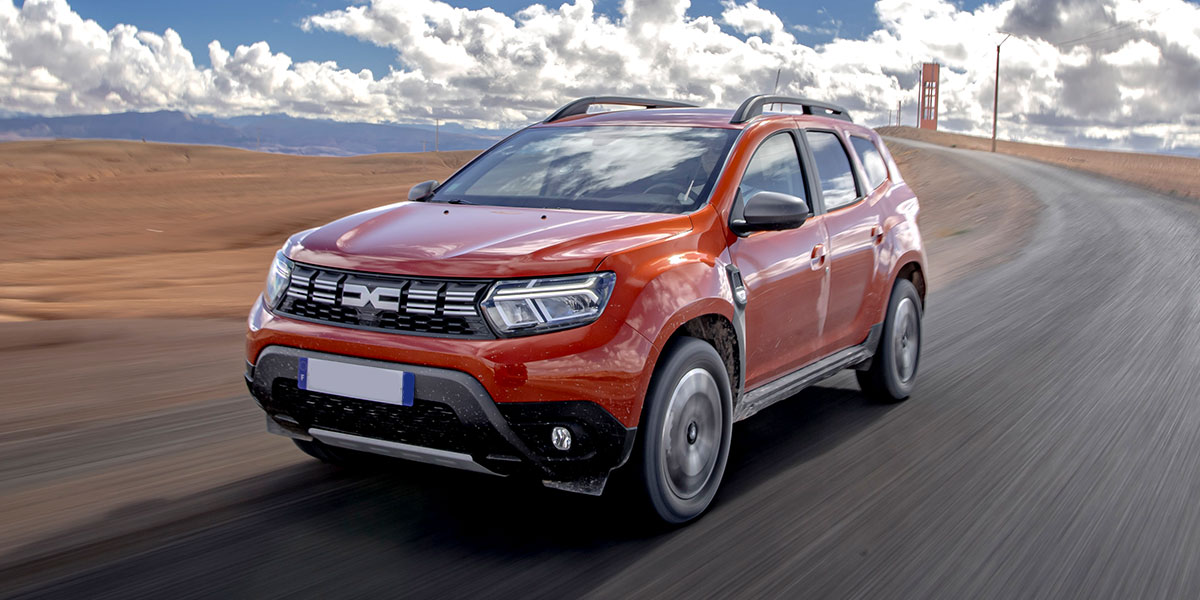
[906,247]
[676,297]
[667,286]
[902,245]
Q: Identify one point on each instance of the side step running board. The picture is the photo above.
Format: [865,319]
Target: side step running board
[787,386]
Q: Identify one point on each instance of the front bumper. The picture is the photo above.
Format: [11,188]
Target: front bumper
[605,363]
[453,422]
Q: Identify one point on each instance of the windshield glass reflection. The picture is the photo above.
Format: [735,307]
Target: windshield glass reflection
[648,169]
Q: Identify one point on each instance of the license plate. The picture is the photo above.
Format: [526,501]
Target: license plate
[356,381]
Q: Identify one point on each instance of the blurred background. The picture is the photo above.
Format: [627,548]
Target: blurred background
[155,155]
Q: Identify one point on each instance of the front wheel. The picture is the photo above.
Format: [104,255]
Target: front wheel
[894,367]
[686,430]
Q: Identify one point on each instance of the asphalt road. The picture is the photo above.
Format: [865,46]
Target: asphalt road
[1051,449]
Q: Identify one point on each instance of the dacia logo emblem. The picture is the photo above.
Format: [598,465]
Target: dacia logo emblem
[381,298]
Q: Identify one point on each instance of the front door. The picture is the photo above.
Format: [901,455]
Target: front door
[785,272]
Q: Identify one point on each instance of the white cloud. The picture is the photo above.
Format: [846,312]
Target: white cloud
[486,68]
[751,19]
[1134,53]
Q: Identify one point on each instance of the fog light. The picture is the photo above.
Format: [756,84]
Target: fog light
[561,437]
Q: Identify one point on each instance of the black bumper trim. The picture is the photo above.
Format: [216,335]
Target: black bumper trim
[493,428]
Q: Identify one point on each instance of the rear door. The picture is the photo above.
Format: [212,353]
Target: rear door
[854,228]
[784,271]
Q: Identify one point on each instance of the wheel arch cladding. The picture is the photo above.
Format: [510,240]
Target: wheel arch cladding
[912,272]
[719,332]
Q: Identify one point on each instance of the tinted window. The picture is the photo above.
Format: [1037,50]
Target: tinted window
[833,169]
[871,161]
[775,167]
[644,169]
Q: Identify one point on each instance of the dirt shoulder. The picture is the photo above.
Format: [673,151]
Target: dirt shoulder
[970,220]
[1173,175]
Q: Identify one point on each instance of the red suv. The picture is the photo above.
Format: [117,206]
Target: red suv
[596,289]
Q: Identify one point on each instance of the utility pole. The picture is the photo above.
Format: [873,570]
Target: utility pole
[436,124]
[996,93]
[899,109]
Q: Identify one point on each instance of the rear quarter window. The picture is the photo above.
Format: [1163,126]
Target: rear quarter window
[833,169]
[871,160]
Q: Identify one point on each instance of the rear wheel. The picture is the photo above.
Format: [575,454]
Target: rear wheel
[686,431]
[894,366]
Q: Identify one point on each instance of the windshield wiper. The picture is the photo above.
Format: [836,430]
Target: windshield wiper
[457,201]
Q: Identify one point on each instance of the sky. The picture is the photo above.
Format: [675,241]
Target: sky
[1097,73]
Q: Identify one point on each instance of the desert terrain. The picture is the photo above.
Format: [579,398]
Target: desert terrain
[1171,175]
[108,229]
[125,272]
[104,229]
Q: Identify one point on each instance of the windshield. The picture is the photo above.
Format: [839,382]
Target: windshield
[639,169]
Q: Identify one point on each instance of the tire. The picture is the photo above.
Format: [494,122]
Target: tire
[686,427]
[894,367]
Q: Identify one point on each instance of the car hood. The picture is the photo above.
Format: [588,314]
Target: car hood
[443,240]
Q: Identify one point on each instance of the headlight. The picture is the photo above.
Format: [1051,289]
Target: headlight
[278,279]
[526,306]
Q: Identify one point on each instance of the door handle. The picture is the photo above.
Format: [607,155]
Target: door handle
[877,234]
[817,257]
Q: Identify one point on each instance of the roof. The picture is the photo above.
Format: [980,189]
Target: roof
[680,117]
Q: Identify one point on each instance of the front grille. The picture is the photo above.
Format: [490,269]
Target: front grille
[426,424]
[386,302]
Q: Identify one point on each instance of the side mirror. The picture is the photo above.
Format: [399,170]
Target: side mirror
[772,211]
[422,190]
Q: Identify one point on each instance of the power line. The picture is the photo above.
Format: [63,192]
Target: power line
[1083,39]
[1109,38]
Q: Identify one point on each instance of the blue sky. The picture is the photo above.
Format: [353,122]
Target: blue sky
[1125,78]
[278,21]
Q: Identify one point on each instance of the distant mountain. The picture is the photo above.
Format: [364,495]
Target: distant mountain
[269,133]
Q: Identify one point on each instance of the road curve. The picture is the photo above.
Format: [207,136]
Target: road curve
[1051,449]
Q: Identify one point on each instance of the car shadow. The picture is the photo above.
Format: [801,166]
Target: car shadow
[413,529]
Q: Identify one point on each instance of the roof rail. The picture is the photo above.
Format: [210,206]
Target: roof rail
[580,106]
[753,107]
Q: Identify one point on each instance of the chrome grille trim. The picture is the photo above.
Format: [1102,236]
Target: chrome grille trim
[393,303]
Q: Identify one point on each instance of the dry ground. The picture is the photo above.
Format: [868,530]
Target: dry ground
[161,249]
[104,229]
[1174,175]
[126,229]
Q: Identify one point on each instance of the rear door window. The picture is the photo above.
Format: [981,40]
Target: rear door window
[871,160]
[833,169]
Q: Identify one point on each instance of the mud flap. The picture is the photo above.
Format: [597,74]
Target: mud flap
[872,344]
[591,486]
